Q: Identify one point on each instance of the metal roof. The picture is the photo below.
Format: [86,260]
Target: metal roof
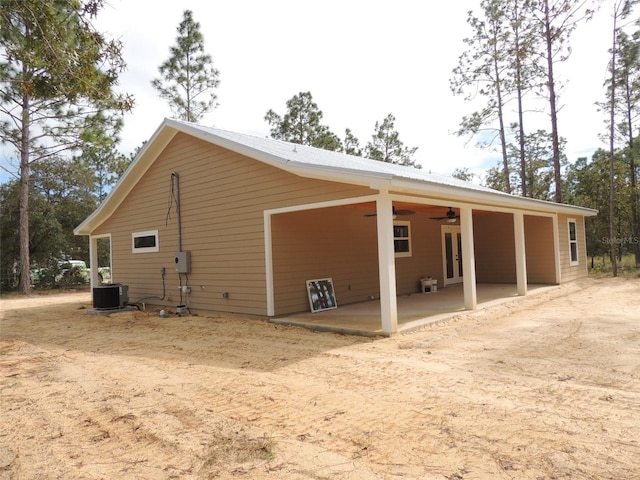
[317,163]
[317,157]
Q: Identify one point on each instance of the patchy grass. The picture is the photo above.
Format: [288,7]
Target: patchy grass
[239,449]
[42,292]
[626,267]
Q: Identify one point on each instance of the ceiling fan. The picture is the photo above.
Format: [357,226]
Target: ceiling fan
[450,217]
[395,212]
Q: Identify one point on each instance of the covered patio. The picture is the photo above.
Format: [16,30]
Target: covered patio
[264,217]
[414,311]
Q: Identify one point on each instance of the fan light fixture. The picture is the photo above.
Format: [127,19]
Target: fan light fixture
[450,216]
[395,213]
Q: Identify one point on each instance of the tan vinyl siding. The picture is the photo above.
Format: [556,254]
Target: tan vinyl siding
[494,244]
[223,196]
[341,243]
[426,255]
[334,242]
[570,272]
[539,246]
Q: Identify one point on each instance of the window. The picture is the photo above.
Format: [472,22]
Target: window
[143,242]
[401,239]
[573,242]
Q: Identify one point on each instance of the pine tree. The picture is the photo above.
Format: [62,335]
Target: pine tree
[188,77]
[521,52]
[538,167]
[625,107]
[385,145]
[622,105]
[351,144]
[301,124]
[587,185]
[100,155]
[482,70]
[55,71]
[463,174]
[555,21]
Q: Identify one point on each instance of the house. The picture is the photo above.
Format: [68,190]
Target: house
[227,222]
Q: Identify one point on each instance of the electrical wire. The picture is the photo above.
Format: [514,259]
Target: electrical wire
[164,292]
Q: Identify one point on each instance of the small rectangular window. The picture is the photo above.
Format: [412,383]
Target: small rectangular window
[143,242]
[402,239]
[573,242]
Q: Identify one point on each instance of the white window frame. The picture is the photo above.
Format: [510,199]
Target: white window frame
[408,238]
[573,241]
[147,233]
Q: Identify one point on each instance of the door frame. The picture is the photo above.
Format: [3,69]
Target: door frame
[456,232]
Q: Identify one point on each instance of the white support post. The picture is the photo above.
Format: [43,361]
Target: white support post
[268,258]
[521,255]
[556,249]
[386,265]
[468,259]
[93,261]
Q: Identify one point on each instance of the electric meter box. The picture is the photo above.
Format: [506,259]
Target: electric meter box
[183,262]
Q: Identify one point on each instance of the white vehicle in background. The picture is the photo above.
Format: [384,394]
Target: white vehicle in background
[63,273]
[70,270]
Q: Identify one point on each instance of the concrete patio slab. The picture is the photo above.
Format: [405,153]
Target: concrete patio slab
[414,311]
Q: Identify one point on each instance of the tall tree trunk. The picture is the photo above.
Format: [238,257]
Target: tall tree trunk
[635,219]
[503,139]
[523,161]
[612,196]
[635,215]
[24,285]
[553,109]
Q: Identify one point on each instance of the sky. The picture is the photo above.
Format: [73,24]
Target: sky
[361,60]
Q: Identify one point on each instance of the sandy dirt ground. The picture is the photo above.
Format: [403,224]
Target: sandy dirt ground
[546,387]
